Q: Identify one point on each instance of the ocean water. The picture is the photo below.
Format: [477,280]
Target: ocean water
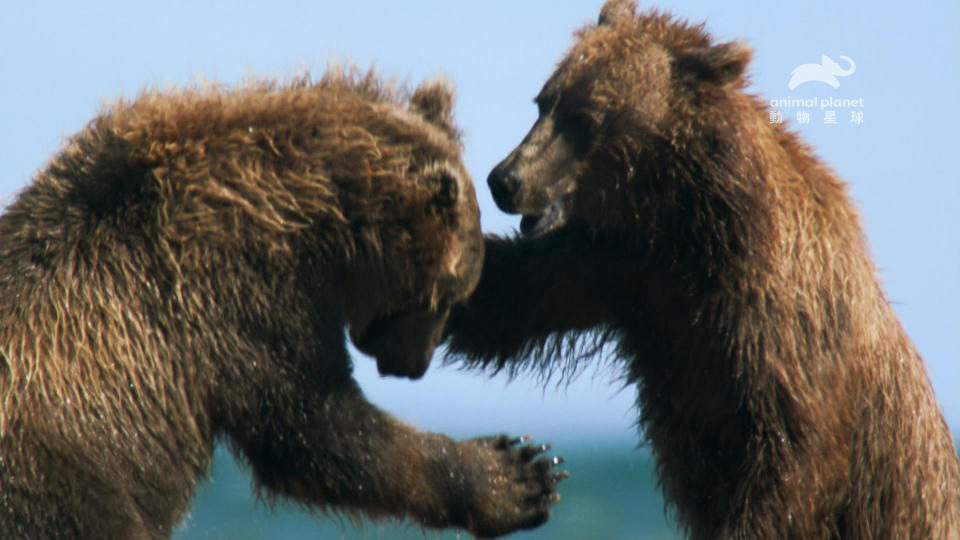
[611,494]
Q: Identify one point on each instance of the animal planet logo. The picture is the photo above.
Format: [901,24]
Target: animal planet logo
[826,72]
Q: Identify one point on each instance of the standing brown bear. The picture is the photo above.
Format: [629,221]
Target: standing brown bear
[183,271]
[778,391]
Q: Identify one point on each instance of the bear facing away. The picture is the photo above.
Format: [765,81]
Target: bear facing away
[779,393]
[183,272]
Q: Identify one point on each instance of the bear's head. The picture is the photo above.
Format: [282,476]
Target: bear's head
[402,333]
[345,199]
[633,93]
[443,261]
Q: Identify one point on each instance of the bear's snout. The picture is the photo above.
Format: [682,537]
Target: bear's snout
[403,343]
[504,186]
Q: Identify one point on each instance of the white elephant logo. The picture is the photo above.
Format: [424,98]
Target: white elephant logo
[826,71]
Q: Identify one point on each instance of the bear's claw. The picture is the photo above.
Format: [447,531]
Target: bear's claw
[521,486]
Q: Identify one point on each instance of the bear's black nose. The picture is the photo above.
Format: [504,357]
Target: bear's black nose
[504,185]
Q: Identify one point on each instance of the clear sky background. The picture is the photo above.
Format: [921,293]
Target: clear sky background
[61,61]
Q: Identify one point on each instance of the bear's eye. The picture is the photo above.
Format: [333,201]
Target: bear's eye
[580,129]
[583,123]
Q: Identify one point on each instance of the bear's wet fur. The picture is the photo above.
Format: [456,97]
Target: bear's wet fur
[182,273]
[662,211]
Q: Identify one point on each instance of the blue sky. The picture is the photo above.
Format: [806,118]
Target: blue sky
[61,61]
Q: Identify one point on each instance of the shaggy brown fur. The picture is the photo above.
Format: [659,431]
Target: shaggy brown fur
[778,391]
[184,270]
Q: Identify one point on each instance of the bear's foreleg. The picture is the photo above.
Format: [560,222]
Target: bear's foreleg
[330,447]
[530,291]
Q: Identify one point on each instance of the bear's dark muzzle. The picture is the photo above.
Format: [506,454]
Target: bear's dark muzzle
[504,186]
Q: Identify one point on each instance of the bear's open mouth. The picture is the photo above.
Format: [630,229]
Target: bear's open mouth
[555,216]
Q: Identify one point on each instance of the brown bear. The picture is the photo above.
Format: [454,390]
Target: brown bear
[182,273]
[778,392]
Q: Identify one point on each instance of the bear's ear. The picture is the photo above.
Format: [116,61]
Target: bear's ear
[443,182]
[102,177]
[433,100]
[616,10]
[721,64]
